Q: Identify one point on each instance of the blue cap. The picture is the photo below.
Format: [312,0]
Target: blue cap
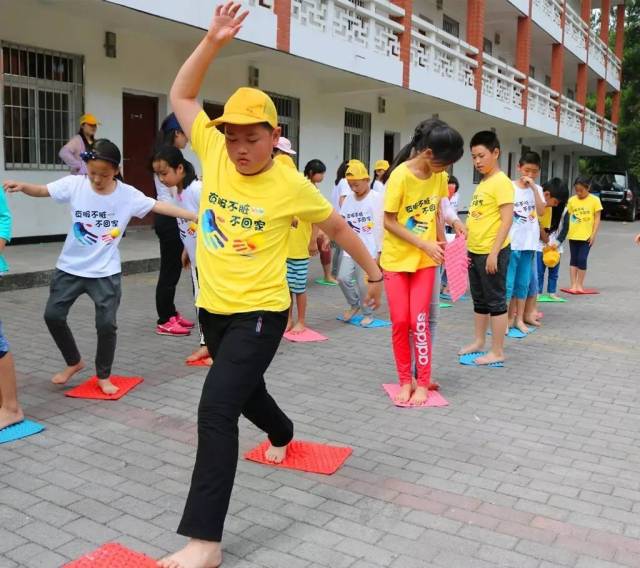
[171,123]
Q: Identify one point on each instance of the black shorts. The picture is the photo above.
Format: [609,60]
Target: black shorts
[489,291]
[579,253]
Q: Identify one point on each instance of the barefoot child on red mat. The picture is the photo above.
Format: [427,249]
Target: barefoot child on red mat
[413,246]
[248,203]
[101,208]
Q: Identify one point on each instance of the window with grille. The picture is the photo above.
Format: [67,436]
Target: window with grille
[357,135]
[289,119]
[532,71]
[450,26]
[487,46]
[42,102]
[544,170]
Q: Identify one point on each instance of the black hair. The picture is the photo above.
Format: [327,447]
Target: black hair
[454,180]
[433,134]
[104,150]
[342,170]
[530,157]
[582,180]
[314,167]
[486,138]
[558,189]
[174,157]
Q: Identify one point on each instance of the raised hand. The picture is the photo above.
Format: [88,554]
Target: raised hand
[226,23]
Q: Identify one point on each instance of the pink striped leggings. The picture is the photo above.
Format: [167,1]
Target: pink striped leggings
[409,296]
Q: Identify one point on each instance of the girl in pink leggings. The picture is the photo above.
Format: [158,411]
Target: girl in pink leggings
[413,246]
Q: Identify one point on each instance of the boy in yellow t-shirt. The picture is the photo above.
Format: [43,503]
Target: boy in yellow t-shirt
[248,203]
[584,221]
[488,223]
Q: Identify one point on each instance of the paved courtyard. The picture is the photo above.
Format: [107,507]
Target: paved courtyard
[535,465]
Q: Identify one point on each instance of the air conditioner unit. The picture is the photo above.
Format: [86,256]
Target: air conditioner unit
[382,105]
[254,77]
[439,4]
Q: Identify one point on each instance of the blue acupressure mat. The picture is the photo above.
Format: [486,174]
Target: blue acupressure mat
[469,358]
[355,320]
[19,431]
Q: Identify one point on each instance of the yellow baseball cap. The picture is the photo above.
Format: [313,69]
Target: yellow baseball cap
[356,171]
[89,119]
[381,165]
[248,106]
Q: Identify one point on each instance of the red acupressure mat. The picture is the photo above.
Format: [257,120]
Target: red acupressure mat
[585,292]
[305,456]
[199,362]
[90,388]
[113,555]
[434,398]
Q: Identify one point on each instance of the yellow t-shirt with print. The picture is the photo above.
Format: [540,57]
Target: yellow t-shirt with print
[483,221]
[299,239]
[286,160]
[244,226]
[416,202]
[545,220]
[582,216]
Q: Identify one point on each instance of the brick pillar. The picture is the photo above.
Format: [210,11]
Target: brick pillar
[601,93]
[585,11]
[475,36]
[581,93]
[523,56]
[405,39]
[605,6]
[557,73]
[615,107]
[619,30]
[282,9]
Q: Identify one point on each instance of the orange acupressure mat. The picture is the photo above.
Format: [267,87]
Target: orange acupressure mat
[305,456]
[113,555]
[585,292]
[90,388]
[199,362]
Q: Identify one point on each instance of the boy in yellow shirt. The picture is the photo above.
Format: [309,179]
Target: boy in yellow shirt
[248,203]
[488,223]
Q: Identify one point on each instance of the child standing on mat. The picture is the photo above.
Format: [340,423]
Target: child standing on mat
[300,239]
[247,206]
[380,168]
[488,223]
[101,208]
[178,174]
[556,194]
[314,171]
[584,212]
[413,246]
[525,233]
[363,212]
[10,411]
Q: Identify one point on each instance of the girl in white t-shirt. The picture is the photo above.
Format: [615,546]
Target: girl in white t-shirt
[380,168]
[363,211]
[101,208]
[178,174]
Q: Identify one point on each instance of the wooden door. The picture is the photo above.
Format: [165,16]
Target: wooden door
[139,126]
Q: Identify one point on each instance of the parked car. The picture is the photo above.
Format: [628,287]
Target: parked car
[619,193]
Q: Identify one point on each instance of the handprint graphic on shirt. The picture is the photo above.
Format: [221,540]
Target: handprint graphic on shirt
[354,227]
[416,226]
[83,236]
[213,236]
[246,247]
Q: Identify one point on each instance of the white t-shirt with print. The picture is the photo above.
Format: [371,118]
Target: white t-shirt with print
[365,218]
[188,199]
[341,189]
[163,192]
[378,186]
[98,223]
[525,229]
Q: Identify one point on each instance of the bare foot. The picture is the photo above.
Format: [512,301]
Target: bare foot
[275,454]
[331,279]
[62,377]
[198,354]
[366,321]
[555,296]
[522,327]
[488,359]
[404,394]
[107,387]
[289,326]
[10,417]
[472,348]
[197,554]
[347,315]
[532,320]
[419,396]
[299,327]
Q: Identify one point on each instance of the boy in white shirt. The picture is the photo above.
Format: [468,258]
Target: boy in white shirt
[101,208]
[363,211]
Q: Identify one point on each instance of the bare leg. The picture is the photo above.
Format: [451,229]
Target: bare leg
[404,394]
[573,271]
[520,310]
[10,411]
[496,354]
[580,276]
[481,323]
[328,277]
[419,396]
[301,305]
[531,311]
[197,554]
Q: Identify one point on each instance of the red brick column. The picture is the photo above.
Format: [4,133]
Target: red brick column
[475,37]
[282,9]
[615,107]
[601,93]
[581,94]
[619,30]
[405,39]
[523,56]
[557,72]
[605,6]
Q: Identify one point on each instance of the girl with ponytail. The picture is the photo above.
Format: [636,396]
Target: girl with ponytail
[413,246]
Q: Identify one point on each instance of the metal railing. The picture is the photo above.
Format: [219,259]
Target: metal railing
[551,8]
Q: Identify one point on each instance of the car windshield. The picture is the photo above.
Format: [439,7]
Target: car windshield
[605,180]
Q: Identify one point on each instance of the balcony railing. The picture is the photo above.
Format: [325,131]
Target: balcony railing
[502,89]
[614,70]
[366,25]
[609,137]
[571,116]
[542,107]
[576,33]
[592,129]
[597,54]
[548,15]
[442,63]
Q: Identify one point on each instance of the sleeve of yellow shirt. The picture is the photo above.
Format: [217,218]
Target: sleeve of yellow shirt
[311,205]
[204,139]
[504,192]
[597,204]
[393,194]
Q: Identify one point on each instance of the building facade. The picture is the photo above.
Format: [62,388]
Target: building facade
[351,78]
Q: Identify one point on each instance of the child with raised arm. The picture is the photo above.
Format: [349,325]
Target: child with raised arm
[247,206]
[413,247]
[363,212]
[101,208]
[488,224]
